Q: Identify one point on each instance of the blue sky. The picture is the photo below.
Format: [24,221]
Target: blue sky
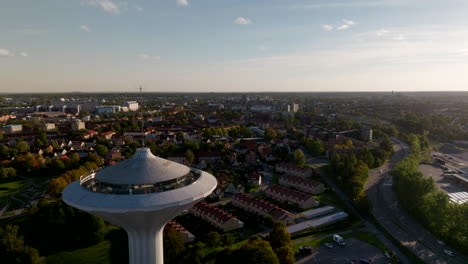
[233,45]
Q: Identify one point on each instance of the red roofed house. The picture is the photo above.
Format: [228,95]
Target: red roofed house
[305,185]
[217,217]
[261,207]
[186,235]
[108,135]
[285,195]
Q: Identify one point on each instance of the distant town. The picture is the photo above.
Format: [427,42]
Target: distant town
[301,177]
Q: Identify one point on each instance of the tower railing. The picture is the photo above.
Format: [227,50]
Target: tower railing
[90,183]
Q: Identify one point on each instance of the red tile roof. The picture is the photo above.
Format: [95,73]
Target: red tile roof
[293,194]
[219,215]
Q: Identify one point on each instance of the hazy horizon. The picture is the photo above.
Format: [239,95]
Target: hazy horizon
[191,46]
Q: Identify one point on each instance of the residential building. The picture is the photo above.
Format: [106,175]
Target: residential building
[217,217]
[305,185]
[292,169]
[261,207]
[286,195]
[78,124]
[185,234]
[366,134]
[132,105]
[8,129]
[254,178]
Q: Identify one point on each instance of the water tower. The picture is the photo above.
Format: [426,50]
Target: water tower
[141,194]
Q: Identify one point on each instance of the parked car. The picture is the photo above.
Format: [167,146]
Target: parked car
[441,242]
[338,239]
[329,245]
[448,252]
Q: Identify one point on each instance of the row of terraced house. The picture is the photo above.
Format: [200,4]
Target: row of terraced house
[261,207]
[302,184]
[216,216]
[286,195]
[292,169]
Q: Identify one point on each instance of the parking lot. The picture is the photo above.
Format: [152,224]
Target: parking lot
[353,250]
[435,172]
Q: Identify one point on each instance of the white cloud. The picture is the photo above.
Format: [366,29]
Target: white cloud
[106,5]
[327,27]
[342,27]
[346,4]
[381,32]
[348,22]
[85,28]
[139,8]
[262,47]
[399,37]
[24,54]
[6,53]
[462,52]
[182,3]
[345,24]
[144,56]
[242,21]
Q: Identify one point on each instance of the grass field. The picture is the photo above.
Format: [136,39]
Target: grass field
[369,238]
[8,188]
[312,243]
[97,254]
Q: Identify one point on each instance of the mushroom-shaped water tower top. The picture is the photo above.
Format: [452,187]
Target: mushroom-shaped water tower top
[140,194]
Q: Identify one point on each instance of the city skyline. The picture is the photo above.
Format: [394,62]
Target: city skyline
[227,46]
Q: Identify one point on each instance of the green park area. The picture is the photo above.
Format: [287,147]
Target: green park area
[7,188]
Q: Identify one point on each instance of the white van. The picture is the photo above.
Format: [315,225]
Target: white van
[338,239]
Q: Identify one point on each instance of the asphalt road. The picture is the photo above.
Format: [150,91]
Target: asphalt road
[369,226]
[396,221]
[353,250]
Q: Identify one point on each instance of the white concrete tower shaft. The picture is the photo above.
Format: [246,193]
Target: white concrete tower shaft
[141,195]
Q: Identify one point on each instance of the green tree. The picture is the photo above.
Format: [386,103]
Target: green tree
[213,239]
[101,150]
[189,156]
[4,152]
[280,241]
[315,147]
[22,146]
[41,139]
[174,245]
[299,157]
[7,172]
[257,252]
[270,134]
[12,248]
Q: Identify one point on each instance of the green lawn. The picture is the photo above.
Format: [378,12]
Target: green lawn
[369,238]
[312,243]
[97,254]
[8,188]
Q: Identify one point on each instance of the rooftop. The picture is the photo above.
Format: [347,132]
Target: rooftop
[143,168]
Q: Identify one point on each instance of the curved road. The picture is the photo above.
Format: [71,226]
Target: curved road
[370,227]
[396,221]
